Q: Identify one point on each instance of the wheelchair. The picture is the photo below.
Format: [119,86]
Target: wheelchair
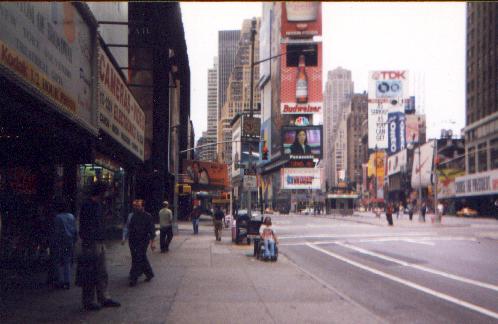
[259,250]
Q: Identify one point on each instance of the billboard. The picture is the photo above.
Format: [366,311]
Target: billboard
[388,84]
[410,105]
[302,142]
[396,132]
[301,80]
[119,114]
[202,175]
[387,93]
[300,178]
[49,48]
[446,182]
[376,172]
[422,167]
[397,163]
[413,125]
[483,183]
[301,19]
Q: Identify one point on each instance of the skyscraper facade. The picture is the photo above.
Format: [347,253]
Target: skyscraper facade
[337,102]
[238,90]
[358,115]
[228,42]
[210,136]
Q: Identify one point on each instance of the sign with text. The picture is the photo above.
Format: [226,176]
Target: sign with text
[120,116]
[484,183]
[397,163]
[49,47]
[396,131]
[378,117]
[301,19]
[300,178]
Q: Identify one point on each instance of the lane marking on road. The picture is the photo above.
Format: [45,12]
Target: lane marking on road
[419,242]
[427,240]
[410,284]
[356,235]
[420,267]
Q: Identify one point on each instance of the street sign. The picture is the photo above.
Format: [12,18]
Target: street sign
[250,182]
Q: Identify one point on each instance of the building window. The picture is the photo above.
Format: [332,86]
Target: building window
[494,153]
[472,160]
[482,157]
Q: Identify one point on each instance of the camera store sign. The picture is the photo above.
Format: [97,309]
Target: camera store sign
[485,183]
[120,116]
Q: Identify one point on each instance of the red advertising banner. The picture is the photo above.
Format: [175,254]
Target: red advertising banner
[301,19]
[205,175]
[301,80]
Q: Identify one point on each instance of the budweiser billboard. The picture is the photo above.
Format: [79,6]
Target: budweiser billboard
[301,19]
[301,79]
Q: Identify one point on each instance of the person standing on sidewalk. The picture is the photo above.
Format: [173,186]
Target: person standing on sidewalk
[194,216]
[423,211]
[139,231]
[64,237]
[166,227]
[389,213]
[218,218]
[91,274]
[410,211]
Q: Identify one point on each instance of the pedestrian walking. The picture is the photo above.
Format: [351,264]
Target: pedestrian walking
[140,231]
[423,211]
[389,213]
[63,241]
[165,227]
[194,216]
[410,211]
[440,211]
[269,238]
[218,218]
[91,274]
[397,210]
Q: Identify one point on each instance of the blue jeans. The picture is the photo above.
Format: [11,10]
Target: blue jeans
[269,249]
[195,225]
[64,265]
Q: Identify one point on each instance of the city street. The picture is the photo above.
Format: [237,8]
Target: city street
[412,272]
[331,269]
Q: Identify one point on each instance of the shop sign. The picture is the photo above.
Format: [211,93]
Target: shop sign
[301,178]
[120,116]
[484,183]
[49,47]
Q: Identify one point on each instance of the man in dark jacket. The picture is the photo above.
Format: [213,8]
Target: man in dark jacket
[140,230]
[92,272]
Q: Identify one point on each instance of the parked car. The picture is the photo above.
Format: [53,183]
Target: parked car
[467,212]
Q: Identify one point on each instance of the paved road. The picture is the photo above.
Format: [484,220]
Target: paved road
[408,273]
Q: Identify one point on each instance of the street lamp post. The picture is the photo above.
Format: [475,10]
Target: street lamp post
[412,145]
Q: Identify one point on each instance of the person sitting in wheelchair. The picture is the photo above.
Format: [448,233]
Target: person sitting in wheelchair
[269,238]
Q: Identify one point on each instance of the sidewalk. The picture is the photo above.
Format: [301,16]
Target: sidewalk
[198,281]
[404,221]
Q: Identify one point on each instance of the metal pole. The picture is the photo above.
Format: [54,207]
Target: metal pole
[175,192]
[249,192]
[251,93]
[419,187]
[437,217]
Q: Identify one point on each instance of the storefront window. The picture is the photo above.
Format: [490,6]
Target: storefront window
[494,153]
[472,160]
[113,177]
[482,157]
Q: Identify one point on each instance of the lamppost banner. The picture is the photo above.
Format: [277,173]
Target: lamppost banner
[422,165]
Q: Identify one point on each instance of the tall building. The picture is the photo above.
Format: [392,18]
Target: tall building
[210,136]
[481,130]
[238,90]
[228,42]
[337,97]
[358,115]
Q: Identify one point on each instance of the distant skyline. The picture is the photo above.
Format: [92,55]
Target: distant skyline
[426,38]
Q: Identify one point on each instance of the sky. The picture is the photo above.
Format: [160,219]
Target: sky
[425,38]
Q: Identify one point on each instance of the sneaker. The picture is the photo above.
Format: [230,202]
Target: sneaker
[110,303]
[92,307]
